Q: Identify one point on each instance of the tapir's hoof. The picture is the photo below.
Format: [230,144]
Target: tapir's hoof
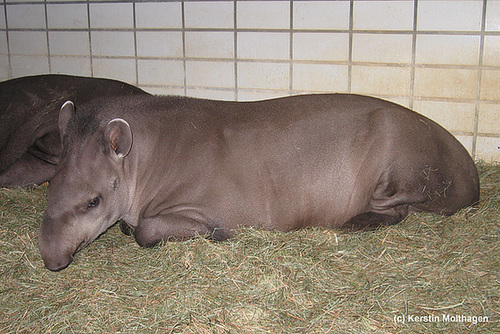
[219,234]
[126,228]
[369,221]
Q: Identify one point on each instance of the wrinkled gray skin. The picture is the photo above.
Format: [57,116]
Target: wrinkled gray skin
[29,109]
[173,168]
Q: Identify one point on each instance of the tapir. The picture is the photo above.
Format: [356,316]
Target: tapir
[173,168]
[29,108]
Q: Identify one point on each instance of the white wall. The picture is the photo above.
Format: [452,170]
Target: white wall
[441,58]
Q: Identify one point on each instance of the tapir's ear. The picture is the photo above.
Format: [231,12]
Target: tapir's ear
[119,136]
[66,113]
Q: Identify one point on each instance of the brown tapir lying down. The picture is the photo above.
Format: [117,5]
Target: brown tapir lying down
[175,167]
[29,108]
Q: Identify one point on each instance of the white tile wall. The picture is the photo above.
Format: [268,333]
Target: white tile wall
[213,44]
[113,43]
[446,49]
[381,80]
[487,148]
[255,94]
[69,43]
[273,76]
[321,46]
[439,57]
[383,15]
[62,16]
[4,70]
[210,93]
[321,15]
[73,66]
[489,120]
[2,17]
[158,15]
[28,65]
[462,114]
[492,51]
[161,72]
[466,141]
[380,48]
[263,14]
[446,83]
[490,83]
[208,14]
[111,15]
[28,42]
[264,45]
[450,15]
[26,16]
[320,78]
[209,74]
[160,44]
[3,46]
[120,69]
[493,16]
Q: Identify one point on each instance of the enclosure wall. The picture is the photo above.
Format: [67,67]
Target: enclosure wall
[441,58]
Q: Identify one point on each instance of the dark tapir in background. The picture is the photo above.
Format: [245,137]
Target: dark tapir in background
[29,109]
[175,167]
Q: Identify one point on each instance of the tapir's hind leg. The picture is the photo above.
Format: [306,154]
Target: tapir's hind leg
[390,202]
[372,220]
[445,196]
[434,190]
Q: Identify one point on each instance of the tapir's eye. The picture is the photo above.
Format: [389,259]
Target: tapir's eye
[94,202]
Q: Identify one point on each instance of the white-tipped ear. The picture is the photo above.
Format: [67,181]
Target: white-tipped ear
[65,114]
[119,136]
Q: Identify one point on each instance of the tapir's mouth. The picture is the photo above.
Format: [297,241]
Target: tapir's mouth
[58,267]
[61,264]
[81,246]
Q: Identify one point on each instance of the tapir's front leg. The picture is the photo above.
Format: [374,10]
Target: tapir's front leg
[151,231]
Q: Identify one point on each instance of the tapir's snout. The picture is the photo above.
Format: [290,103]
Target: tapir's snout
[56,256]
[56,263]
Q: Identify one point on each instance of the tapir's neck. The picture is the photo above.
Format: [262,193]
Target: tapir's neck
[145,170]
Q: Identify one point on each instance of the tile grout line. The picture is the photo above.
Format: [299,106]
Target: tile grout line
[235,49]
[280,30]
[479,78]
[136,62]
[290,76]
[183,22]
[90,40]
[49,62]
[285,61]
[349,60]
[413,54]
[7,39]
